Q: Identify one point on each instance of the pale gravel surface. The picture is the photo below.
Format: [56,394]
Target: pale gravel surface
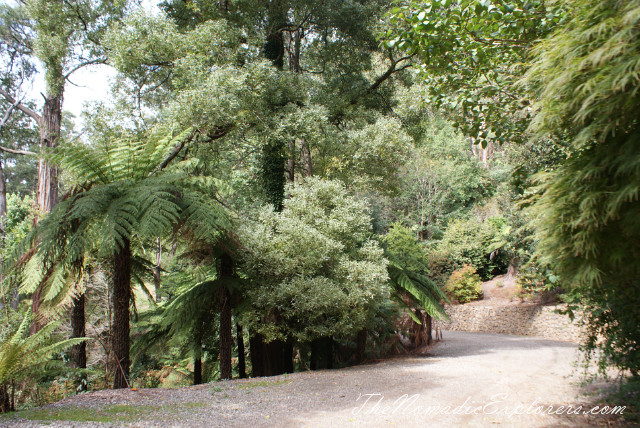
[471,368]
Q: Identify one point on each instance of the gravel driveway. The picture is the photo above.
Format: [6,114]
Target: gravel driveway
[469,379]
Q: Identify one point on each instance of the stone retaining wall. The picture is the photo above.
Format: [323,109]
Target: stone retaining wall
[522,320]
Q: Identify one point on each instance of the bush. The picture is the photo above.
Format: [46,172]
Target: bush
[464,285]
[314,268]
[441,265]
[473,242]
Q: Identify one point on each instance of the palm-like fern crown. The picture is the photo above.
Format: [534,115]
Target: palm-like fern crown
[123,194]
[22,355]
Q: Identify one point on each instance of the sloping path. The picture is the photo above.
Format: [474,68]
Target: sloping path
[470,379]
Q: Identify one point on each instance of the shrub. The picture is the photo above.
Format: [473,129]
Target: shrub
[473,242]
[464,285]
[314,268]
[441,265]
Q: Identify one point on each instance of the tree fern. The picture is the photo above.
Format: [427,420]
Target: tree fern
[126,193]
[423,291]
[407,273]
[22,355]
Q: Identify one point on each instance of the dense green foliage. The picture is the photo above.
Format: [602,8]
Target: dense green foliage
[318,174]
[586,78]
[23,355]
[315,267]
[472,53]
[408,272]
[464,285]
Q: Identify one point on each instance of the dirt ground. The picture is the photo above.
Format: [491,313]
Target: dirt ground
[469,379]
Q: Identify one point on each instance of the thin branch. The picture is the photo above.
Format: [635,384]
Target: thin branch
[26,110]
[101,60]
[7,114]
[174,153]
[393,68]
[16,152]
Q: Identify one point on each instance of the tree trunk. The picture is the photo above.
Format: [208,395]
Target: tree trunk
[121,301]
[242,365]
[197,364]
[322,353]
[79,352]
[274,358]
[429,328]
[47,193]
[156,269]
[306,159]
[5,402]
[361,344]
[3,225]
[287,357]
[512,270]
[3,196]
[291,161]
[226,340]
[256,352]
[225,333]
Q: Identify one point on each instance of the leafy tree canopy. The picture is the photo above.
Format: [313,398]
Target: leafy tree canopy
[315,267]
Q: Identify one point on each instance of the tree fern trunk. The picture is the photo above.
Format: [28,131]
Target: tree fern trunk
[79,352]
[225,334]
[156,269]
[226,340]
[5,405]
[121,301]
[242,365]
[197,363]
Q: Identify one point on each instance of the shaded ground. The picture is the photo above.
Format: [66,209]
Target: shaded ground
[499,378]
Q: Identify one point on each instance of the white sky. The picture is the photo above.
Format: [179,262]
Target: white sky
[92,81]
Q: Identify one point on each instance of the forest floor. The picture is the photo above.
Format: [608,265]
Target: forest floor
[468,379]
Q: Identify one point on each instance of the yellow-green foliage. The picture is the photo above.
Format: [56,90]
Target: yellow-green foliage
[464,285]
[23,355]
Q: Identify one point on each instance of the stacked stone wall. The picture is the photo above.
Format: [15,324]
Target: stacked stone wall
[522,320]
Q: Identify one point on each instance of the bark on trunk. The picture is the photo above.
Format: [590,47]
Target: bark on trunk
[269,359]
[306,159]
[156,269]
[47,194]
[225,334]
[512,270]
[5,399]
[3,196]
[294,51]
[242,365]
[79,352]
[429,328]
[197,364]
[121,300]
[256,352]
[291,161]
[361,343]
[274,358]
[226,340]
[322,353]
[287,357]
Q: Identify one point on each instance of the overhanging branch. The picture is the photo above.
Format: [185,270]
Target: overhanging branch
[17,104]
[16,152]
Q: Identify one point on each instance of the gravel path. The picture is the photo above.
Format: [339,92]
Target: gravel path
[469,379]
